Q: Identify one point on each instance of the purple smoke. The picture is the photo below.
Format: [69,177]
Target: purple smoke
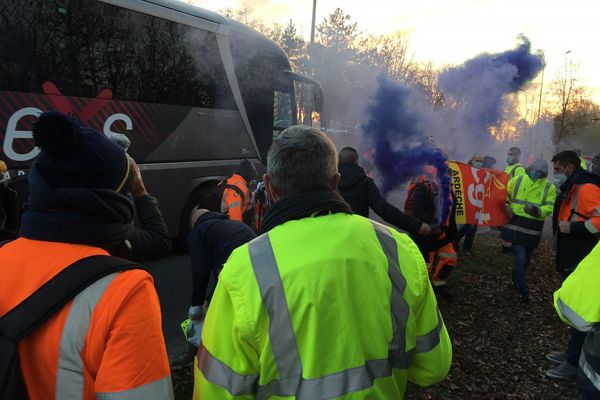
[474,91]
[401,118]
[401,147]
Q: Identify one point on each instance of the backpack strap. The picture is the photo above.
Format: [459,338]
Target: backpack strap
[234,188]
[32,312]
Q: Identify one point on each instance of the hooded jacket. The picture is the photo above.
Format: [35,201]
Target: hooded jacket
[361,193]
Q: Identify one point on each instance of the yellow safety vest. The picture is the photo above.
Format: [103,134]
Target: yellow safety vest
[577,303]
[522,191]
[515,170]
[334,306]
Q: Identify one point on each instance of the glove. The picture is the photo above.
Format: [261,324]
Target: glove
[564,226]
[532,210]
[192,329]
[509,212]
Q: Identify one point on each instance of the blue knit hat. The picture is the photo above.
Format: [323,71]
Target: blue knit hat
[73,156]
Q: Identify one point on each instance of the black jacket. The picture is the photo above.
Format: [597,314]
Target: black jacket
[211,241]
[423,205]
[150,238]
[425,210]
[361,193]
[573,247]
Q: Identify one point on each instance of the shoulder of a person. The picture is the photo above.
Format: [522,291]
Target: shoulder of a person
[238,259]
[412,265]
[367,180]
[130,280]
[590,188]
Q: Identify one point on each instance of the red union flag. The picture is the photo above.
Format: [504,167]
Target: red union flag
[480,195]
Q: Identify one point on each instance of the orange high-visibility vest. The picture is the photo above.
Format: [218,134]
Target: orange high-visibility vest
[582,204]
[441,262]
[107,341]
[231,203]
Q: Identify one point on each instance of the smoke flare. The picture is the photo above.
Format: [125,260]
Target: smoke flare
[401,147]
[401,118]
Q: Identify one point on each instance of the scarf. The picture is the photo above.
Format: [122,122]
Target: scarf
[95,217]
[303,205]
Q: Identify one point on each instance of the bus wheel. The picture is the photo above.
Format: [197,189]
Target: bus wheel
[186,213]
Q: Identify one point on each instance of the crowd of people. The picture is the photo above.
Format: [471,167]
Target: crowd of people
[296,292]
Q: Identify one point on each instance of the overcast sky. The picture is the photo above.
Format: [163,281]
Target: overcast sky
[452,31]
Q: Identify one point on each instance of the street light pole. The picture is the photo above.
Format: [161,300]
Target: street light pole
[308,104]
[312,26]
[541,87]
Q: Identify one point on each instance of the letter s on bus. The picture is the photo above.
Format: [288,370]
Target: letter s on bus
[12,133]
[114,118]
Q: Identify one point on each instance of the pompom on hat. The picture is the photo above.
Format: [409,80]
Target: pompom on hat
[74,156]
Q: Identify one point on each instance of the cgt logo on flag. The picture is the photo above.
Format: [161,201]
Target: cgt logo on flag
[480,195]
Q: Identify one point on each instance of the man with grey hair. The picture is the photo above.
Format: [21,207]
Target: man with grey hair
[324,303]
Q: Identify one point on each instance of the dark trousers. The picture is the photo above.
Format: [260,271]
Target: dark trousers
[587,390]
[521,262]
[574,347]
[469,232]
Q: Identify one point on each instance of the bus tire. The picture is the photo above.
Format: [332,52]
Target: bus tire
[186,213]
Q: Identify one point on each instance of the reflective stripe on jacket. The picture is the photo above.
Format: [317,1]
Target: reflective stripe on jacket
[232,204]
[522,191]
[106,343]
[577,302]
[515,170]
[334,306]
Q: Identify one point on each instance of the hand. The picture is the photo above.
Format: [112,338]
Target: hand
[195,313]
[532,210]
[137,184]
[564,226]
[425,230]
[509,212]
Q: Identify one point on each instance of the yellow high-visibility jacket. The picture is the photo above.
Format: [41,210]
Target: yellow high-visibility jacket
[515,170]
[523,191]
[328,307]
[577,303]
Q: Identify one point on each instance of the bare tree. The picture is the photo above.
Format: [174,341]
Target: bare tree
[567,91]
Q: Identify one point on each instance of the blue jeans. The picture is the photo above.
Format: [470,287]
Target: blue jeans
[521,261]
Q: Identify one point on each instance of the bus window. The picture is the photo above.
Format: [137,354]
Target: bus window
[89,46]
[282,111]
[160,82]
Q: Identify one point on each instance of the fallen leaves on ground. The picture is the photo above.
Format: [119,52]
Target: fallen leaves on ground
[499,343]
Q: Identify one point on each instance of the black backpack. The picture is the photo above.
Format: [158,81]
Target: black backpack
[32,312]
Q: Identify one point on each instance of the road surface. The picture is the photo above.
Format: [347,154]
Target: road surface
[173,279]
